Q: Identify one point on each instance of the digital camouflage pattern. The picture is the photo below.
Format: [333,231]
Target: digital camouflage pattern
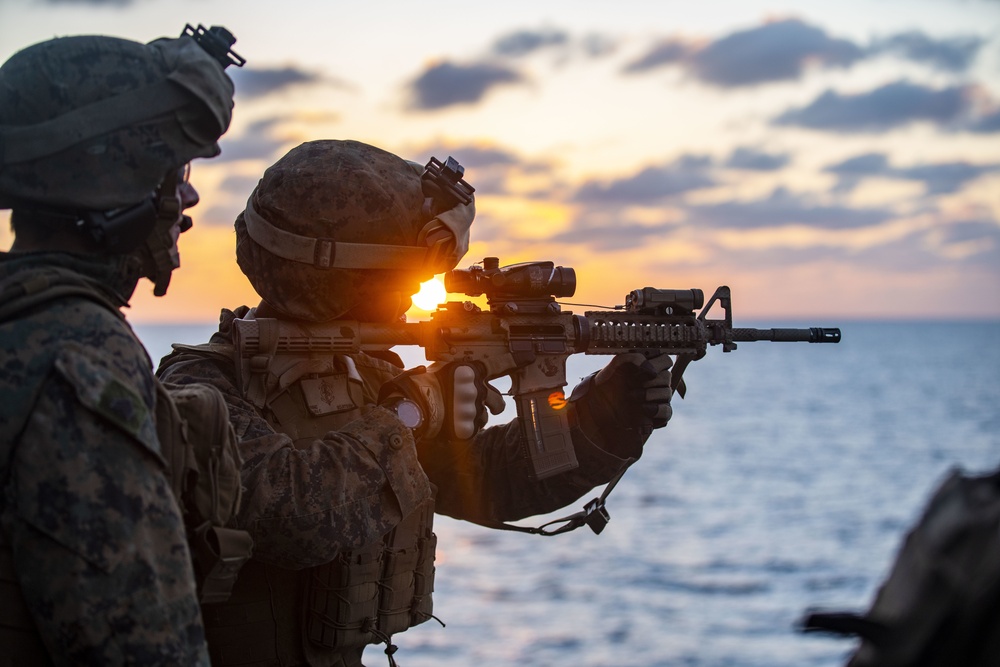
[345,490]
[343,190]
[303,504]
[335,494]
[89,521]
[309,502]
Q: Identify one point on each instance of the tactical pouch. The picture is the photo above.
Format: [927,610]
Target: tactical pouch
[422,606]
[408,572]
[342,600]
[398,576]
[200,447]
[365,597]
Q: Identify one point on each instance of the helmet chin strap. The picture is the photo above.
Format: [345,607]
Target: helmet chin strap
[159,253]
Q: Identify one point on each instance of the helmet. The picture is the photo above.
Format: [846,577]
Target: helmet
[334,225]
[95,123]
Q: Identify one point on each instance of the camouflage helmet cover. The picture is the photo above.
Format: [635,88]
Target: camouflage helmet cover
[344,190]
[155,106]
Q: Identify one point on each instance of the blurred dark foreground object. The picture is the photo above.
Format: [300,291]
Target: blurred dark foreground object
[940,605]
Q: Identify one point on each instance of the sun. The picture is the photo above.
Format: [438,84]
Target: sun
[431,294]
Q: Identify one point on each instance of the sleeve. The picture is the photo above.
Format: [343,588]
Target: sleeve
[304,504]
[96,535]
[487,481]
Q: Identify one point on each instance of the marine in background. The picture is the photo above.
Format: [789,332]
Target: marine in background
[96,135]
[341,485]
[939,605]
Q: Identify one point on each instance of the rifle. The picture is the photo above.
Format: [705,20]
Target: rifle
[527,335]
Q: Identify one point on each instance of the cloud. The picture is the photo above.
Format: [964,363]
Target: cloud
[937,178]
[777,51]
[773,52]
[756,160]
[229,200]
[987,123]
[523,42]
[494,169]
[892,105]
[945,178]
[954,54]
[595,45]
[783,50]
[254,82]
[649,185]
[474,157]
[487,167]
[966,243]
[861,165]
[970,230]
[610,237]
[665,53]
[238,184]
[447,84]
[257,142]
[780,209]
[850,172]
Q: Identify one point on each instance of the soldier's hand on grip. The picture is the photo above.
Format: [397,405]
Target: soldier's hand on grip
[621,404]
[453,396]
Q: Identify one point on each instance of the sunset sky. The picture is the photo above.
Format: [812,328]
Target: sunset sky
[824,159]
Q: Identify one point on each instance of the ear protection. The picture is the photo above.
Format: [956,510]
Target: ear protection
[120,230]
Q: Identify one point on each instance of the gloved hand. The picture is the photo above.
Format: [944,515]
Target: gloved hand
[454,398]
[619,406]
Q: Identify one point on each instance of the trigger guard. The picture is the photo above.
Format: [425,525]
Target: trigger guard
[494,400]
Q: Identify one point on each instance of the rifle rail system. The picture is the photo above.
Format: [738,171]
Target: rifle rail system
[526,334]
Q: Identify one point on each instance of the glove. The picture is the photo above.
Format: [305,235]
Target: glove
[454,398]
[620,405]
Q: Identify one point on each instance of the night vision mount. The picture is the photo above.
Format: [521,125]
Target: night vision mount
[217,42]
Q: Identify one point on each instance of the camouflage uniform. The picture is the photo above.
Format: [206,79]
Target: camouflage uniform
[90,524]
[94,134]
[339,499]
[309,499]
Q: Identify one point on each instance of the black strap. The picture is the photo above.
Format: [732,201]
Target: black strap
[845,624]
[218,554]
[594,514]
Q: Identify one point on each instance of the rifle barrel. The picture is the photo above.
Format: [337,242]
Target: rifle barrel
[811,335]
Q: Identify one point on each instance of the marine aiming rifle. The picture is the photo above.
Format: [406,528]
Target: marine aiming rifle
[527,335]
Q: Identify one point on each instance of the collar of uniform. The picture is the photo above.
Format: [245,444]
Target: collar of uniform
[114,276]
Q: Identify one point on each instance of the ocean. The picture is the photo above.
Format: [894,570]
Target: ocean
[785,481]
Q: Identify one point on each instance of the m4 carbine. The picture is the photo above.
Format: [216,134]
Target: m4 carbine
[527,335]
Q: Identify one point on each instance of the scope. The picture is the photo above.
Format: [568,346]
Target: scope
[528,280]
